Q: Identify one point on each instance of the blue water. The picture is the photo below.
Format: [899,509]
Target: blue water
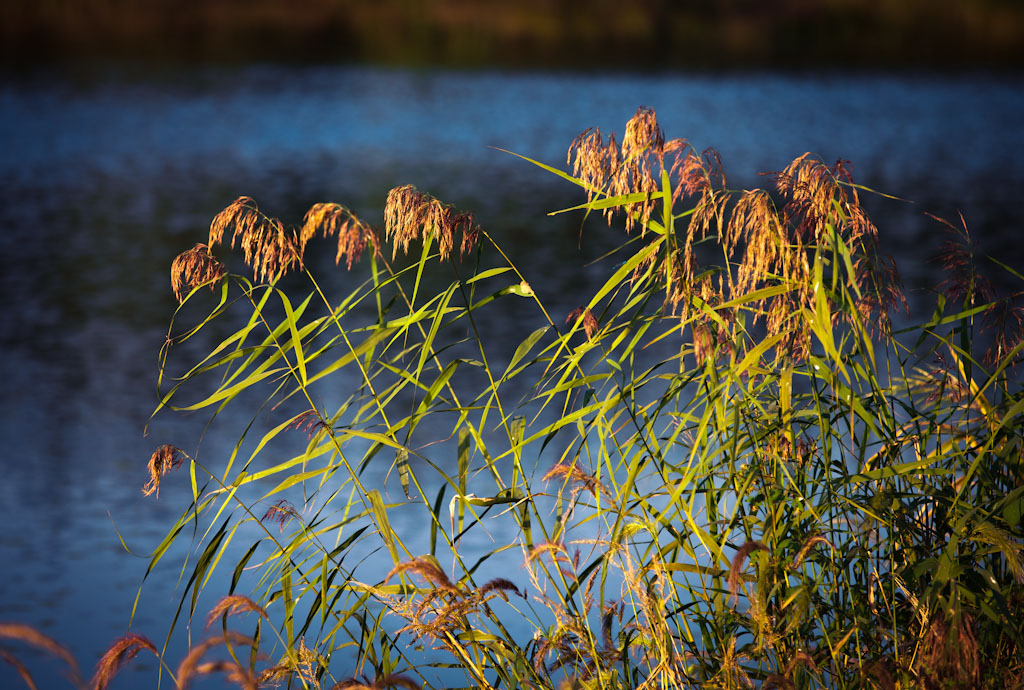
[107,172]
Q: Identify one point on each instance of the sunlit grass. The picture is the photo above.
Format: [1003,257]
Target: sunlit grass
[733,466]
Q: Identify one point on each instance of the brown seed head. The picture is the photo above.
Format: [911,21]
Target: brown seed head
[120,653]
[736,567]
[334,220]
[234,604]
[426,569]
[190,666]
[590,324]
[161,462]
[410,214]
[195,267]
[574,474]
[269,249]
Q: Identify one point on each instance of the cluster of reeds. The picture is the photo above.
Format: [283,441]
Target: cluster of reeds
[750,472]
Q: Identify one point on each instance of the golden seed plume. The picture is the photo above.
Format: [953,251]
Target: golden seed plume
[123,650]
[269,249]
[736,567]
[806,549]
[607,169]
[334,220]
[195,267]
[190,666]
[426,569]
[164,459]
[574,474]
[234,604]
[410,215]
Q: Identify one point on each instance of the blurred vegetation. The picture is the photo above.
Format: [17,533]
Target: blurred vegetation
[597,34]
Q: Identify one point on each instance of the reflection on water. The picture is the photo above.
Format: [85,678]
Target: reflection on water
[106,175]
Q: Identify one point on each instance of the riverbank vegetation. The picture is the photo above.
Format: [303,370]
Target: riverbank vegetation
[651,34]
[734,465]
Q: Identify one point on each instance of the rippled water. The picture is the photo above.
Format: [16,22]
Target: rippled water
[107,172]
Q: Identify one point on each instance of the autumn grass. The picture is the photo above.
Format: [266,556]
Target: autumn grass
[734,465]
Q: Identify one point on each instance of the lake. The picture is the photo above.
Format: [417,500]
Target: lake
[107,171]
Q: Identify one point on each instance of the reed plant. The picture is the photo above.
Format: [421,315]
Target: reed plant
[734,465]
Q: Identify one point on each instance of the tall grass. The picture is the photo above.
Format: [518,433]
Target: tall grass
[733,466]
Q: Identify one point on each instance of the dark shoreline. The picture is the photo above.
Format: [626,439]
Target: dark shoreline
[941,35]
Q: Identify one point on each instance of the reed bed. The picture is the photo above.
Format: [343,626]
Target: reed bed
[734,466]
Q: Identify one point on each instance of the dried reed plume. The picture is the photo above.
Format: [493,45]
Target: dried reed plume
[309,421]
[269,249]
[164,459]
[334,220]
[589,322]
[195,267]
[280,512]
[736,567]
[234,604]
[410,214]
[124,649]
[583,481]
[806,549]
[29,635]
[607,169]
[426,569]
[448,605]
[190,666]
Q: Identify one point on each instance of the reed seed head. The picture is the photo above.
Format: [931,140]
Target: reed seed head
[410,215]
[195,267]
[190,666]
[124,649]
[428,570]
[736,567]
[584,481]
[334,220]
[590,324]
[161,462]
[234,604]
[269,249]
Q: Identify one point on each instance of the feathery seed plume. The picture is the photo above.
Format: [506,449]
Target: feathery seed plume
[195,267]
[117,655]
[410,214]
[736,567]
[334,220]
[161,462]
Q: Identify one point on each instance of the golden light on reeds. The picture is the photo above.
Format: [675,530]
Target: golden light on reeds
[574,475]
[268,248]
[232,605]
[334,220]
[411,215]
[161,462]
[123,650]
[195,267]
[193,665]
[736,566]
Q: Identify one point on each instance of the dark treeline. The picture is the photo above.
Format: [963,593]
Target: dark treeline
[600,34]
